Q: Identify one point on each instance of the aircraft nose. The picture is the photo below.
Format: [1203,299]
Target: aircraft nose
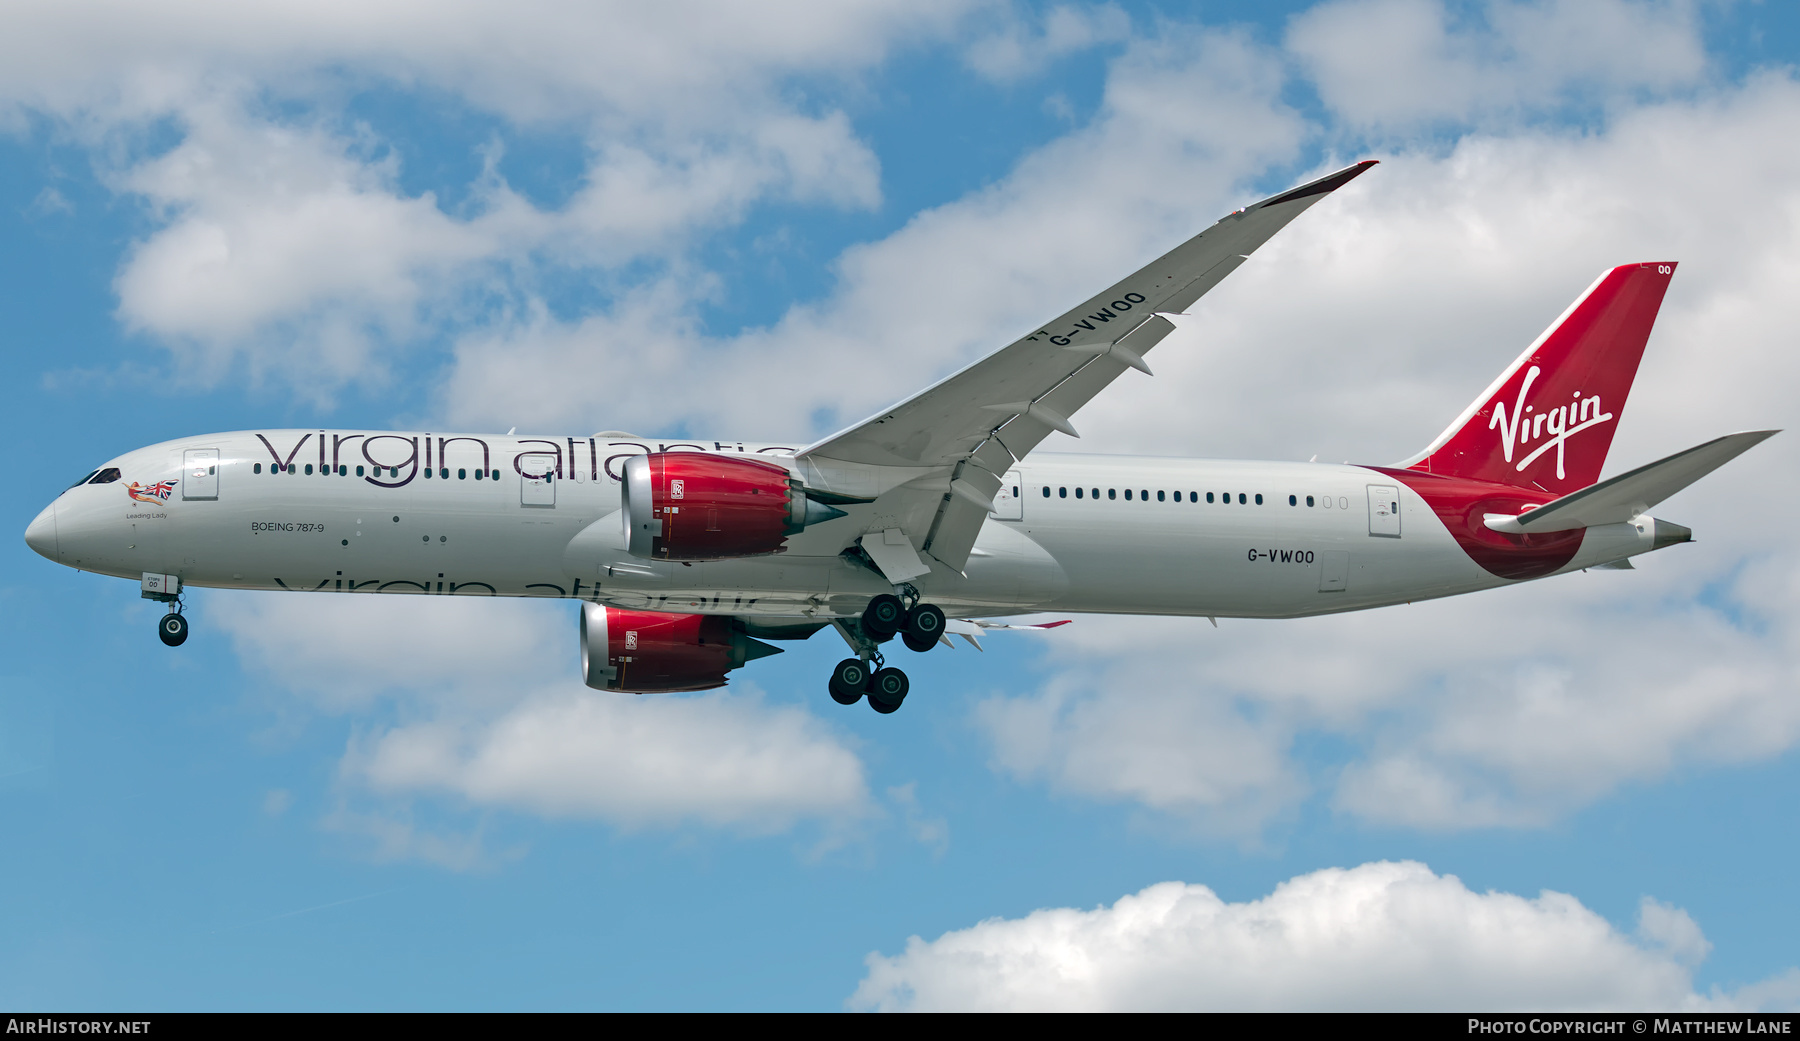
[41,535]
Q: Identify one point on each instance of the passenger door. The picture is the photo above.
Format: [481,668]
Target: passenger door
[1009,502]
[537,489]
[200,473]
[1384,511]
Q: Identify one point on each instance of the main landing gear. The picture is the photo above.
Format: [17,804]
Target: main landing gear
[173,627]
[919,627]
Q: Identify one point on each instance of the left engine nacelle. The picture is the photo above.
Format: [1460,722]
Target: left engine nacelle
[652,652]
[694,506]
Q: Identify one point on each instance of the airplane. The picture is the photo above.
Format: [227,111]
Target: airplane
[687,555]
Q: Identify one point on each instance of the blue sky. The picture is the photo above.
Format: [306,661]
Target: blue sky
[573,220]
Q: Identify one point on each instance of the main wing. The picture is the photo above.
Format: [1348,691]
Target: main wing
[934,462]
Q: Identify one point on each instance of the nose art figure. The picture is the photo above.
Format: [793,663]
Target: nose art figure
[41,535]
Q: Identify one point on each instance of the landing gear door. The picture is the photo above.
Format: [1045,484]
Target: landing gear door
[537,481]
[200,473]
[1384,511]
[1009,503]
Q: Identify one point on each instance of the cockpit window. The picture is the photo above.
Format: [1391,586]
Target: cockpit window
[106,476]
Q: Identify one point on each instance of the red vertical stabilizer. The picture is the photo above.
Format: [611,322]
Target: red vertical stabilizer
[1547,422]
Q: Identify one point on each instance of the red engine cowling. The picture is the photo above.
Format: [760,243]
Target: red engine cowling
[695,506]
[652,652]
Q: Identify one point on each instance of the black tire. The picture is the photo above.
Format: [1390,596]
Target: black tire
[887,689]
[918,643]
[884,616]
[925,621]
[848,680]
[173,628]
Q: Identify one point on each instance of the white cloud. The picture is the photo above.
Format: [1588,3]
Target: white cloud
[282,239]
[533,61]
[476,700]
[1394,64]
[1019,48]
[285,243]
[718,759]
[1508,708]
[349,653]
[930,832]
[1184,119]
[1378,936]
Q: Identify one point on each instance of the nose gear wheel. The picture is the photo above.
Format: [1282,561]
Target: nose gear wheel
[173,628]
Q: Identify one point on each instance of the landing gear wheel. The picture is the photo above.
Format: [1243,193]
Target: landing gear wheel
[884,616]
[848,681]
[924,625]
[918,643]
[887,689]
[173,628]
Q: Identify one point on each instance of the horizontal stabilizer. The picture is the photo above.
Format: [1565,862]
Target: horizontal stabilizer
[1626,496]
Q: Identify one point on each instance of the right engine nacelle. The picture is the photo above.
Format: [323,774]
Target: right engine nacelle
[696,506]
[653,652]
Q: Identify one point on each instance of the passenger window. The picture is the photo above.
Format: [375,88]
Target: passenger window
[1096,493]
[1209,496]
[290,468]
[1078,493]
[494,475]
[1046,491]
[1293,501]
[359,471]
[1112,493]
[343,471]
[1241,500]
[479,474]
[1144,494]
[1259,498]
[1015,491]
[462,475]
[1309,500]
[445,473]
[1160,496]
[256,469]
[1128,495]
[1193,496]
[309,469]
[428,473]
[1062,493]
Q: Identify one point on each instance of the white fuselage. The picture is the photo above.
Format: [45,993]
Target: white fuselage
[1166,549]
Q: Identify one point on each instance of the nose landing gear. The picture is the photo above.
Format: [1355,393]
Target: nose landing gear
[173,627]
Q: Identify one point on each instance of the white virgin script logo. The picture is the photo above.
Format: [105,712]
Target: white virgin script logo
[1560,423]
